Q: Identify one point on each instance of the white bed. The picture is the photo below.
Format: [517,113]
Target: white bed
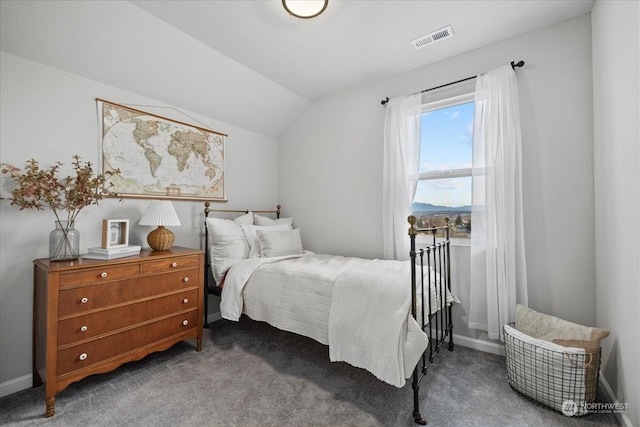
[360,308]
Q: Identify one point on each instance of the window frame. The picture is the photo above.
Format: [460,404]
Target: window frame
[433,105]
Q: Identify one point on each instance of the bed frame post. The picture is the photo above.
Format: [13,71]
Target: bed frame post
[414,383]
[448,270]
[207,266]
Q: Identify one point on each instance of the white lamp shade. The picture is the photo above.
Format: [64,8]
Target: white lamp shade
[160,212]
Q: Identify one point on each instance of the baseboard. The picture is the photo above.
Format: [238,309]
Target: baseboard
[622,417]
[15,385]
[481,345]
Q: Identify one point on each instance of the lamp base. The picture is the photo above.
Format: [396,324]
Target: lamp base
[160,239]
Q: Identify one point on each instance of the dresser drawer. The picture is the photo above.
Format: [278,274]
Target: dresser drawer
[99,275]
[92,352]
[97,323]
[169,264]
[85,298]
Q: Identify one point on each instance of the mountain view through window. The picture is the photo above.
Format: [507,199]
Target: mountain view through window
[444,182]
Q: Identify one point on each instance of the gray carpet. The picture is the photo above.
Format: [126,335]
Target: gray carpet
[250,374]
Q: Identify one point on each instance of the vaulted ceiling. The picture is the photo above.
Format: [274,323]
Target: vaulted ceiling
[249,63]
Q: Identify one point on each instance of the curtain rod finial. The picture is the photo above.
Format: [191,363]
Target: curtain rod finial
[384,101]
[518,64]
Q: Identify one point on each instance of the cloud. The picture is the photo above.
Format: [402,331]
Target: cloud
[448,184]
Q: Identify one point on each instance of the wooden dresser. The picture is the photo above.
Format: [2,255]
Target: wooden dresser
[91,316]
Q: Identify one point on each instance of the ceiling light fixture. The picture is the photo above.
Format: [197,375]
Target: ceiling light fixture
[305,9]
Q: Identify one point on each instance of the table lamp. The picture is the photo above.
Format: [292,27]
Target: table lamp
[160,213]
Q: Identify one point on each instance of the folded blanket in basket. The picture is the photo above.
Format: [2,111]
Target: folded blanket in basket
[550,328]
[568,335]
[549,373]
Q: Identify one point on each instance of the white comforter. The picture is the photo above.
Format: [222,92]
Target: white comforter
[360,308]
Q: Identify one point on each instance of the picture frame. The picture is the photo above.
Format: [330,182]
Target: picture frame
[158,157]
[115,233]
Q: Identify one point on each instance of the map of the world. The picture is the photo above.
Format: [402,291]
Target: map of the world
[159,157]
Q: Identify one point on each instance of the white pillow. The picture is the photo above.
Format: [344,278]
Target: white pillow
[245,219]
[263,220]
[227,245]
[250,233]
[279,242]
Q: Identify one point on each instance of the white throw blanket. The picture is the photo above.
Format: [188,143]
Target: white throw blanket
[231,297]
[370,322]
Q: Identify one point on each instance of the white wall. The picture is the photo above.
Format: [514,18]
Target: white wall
[50,115]
[330,166]
[616,78]
[118,43]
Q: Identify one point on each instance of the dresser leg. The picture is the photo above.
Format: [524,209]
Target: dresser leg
[198,343]
[51,407]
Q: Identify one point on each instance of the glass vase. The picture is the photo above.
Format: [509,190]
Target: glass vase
[64,242]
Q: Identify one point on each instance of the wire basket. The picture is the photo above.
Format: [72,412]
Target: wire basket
[562,378]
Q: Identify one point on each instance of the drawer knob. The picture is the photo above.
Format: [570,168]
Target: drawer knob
[185,322]
[84,328]
[186,279]
[185,301]
[84,300]
[83,356]
[174,264]
[104,274]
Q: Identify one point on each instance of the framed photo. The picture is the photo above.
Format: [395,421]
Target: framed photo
[115,233]
[160,158]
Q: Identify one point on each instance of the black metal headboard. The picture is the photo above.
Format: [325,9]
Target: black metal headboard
[207,210]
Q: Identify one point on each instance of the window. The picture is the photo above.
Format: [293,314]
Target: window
[446,154]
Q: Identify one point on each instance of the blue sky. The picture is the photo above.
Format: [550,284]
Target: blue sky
[447,136]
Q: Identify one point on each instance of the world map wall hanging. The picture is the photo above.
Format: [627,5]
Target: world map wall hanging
[160,157]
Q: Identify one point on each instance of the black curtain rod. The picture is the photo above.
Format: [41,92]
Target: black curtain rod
[513,65]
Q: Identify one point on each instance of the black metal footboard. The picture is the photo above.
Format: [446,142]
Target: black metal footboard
[430,267]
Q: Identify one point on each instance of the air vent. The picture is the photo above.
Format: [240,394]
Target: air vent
[435,36]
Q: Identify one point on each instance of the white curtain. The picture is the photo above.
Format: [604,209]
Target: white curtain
[498,270]
[400,172]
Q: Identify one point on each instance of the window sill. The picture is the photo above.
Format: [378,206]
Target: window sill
[424,241]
